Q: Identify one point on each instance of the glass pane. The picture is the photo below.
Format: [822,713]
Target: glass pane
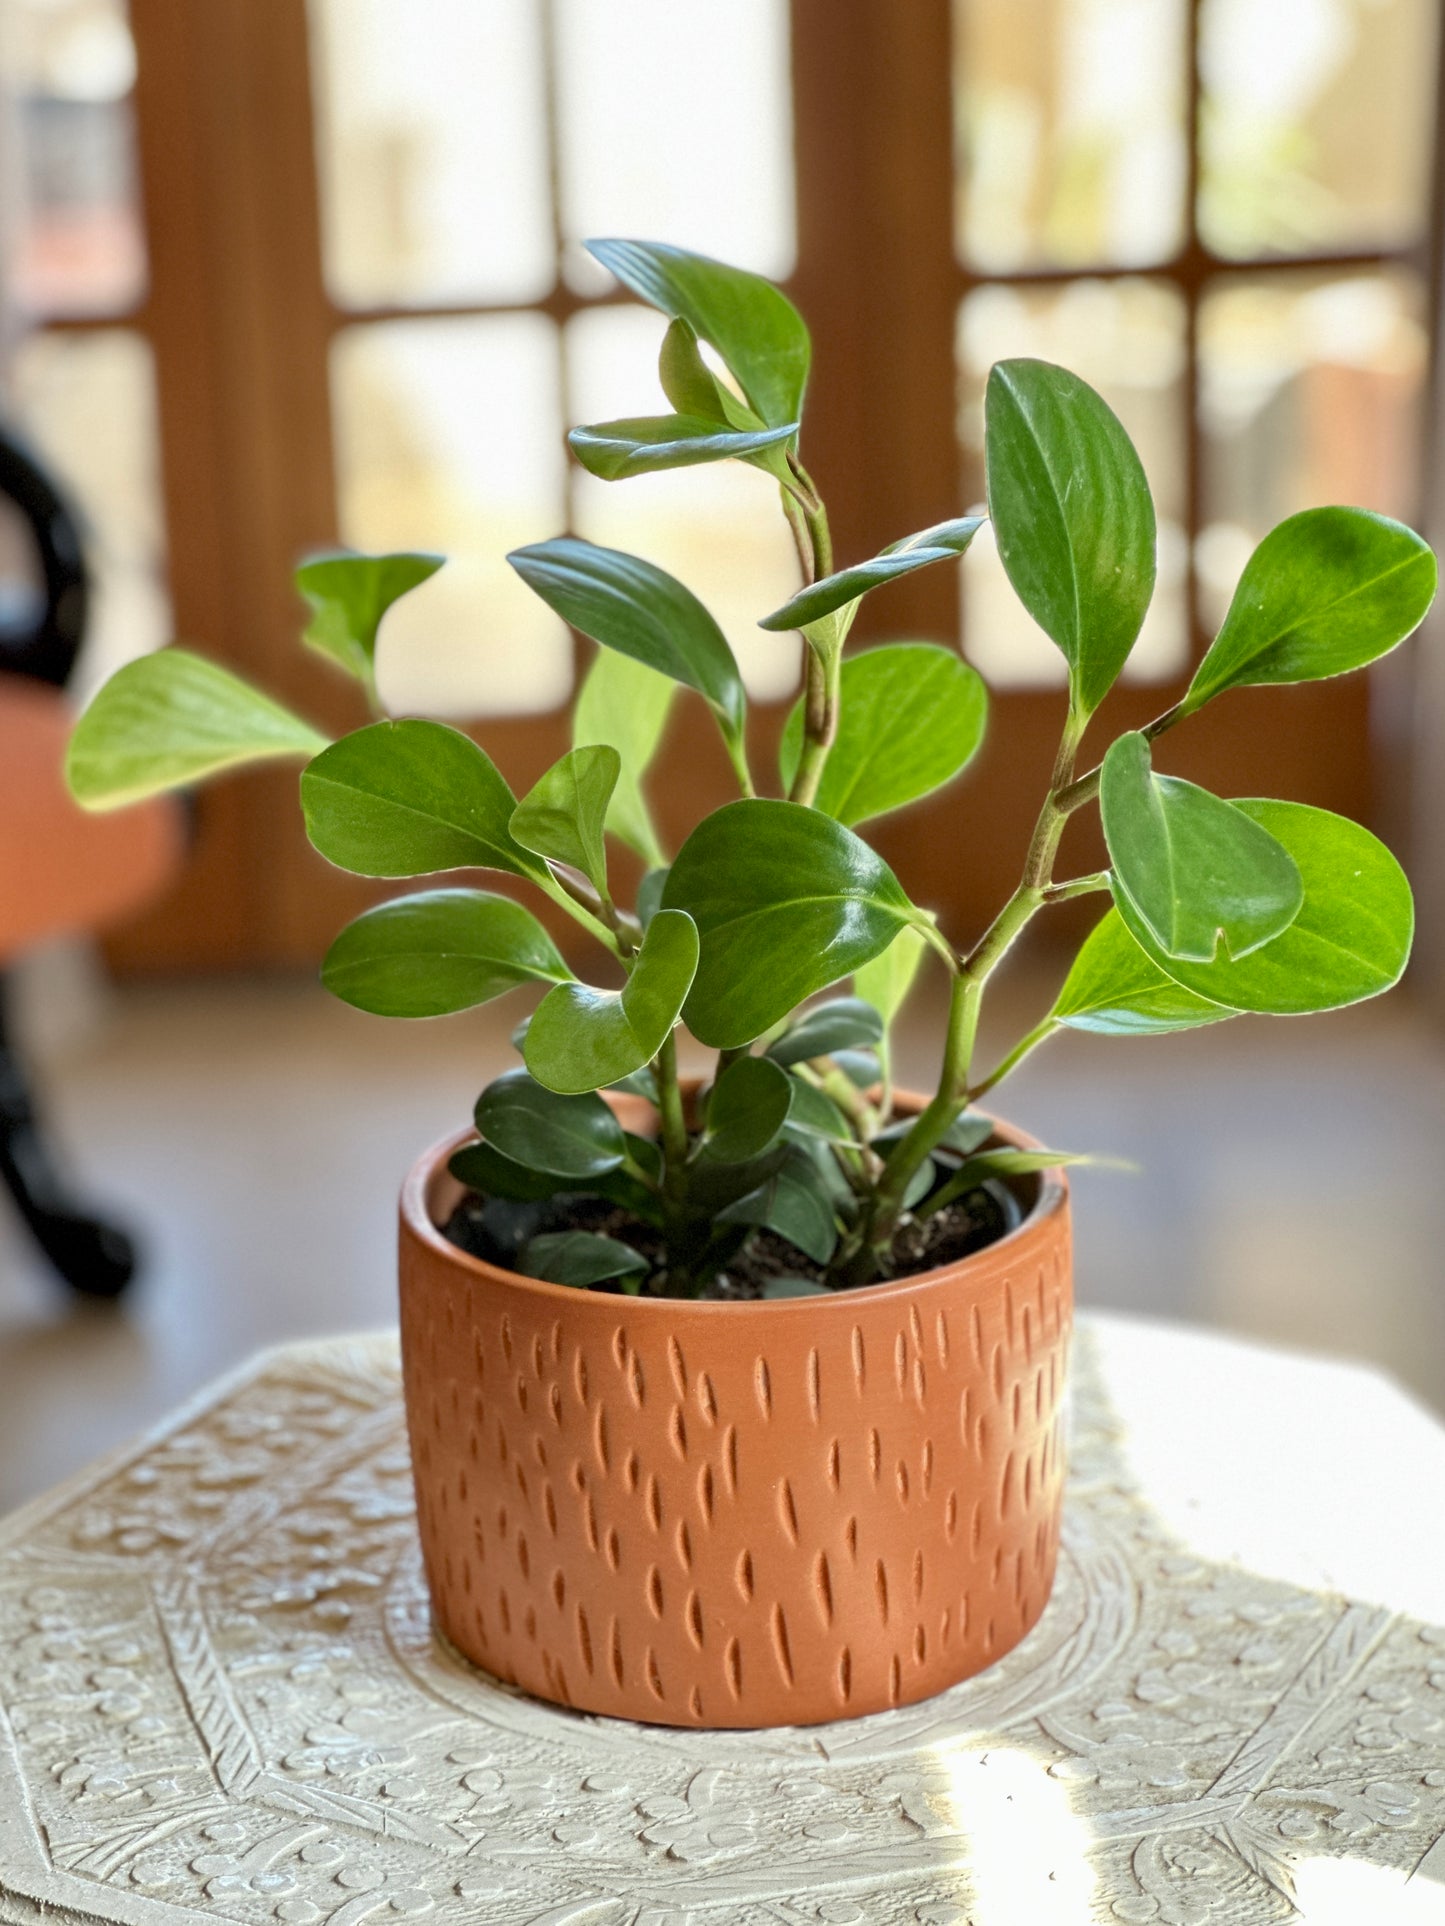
[70,233]
[1126,338]
[676,124]
[719,528]
[448,437]
[87,403]
[1317,123]
[1311,391]
[1071,133]
[432,148]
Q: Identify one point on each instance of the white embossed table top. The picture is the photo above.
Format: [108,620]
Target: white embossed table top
[220,1697]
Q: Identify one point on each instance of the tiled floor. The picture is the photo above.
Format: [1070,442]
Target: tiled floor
[1289,1187]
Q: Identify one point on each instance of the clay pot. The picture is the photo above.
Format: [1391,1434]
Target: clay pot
[710,1514]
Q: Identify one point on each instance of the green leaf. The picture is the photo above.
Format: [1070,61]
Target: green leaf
[786,901]
[348,595]
[746,1111]
[777,1287]
[583,1039]
[692,387]
[912,716]
[1114,990]
[842,1023]
[753,325]
[569,1136]
[1327,591]
[580,1258]
[814,1114]
[941,543]
[625,704]
[171,719]
[1073,517]
[439,951]
[793,1203]
[485,1170]
[886,981]
[1002,1162]
[967,1131]
[1351,939]
[649,894]
[410,798]
[562,816]
[1198,871]
[644,445]
[628,605]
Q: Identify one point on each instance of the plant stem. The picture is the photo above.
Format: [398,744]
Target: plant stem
[737,749]
[1077,886]
[1076,794]
[809,521]
[967,998]
[579,911]
[1040,1033]
[674,1121]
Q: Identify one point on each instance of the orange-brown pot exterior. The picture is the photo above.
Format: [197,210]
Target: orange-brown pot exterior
[736,1514]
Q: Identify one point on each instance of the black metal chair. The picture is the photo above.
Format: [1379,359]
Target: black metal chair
[77,884]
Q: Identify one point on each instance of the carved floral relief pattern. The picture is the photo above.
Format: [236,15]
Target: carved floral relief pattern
[220,1696]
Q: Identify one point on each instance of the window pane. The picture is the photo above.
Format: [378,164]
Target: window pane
[1311,392]
[71,230]
[87,403]
[1126,338]
[676,124]
[1317,123]
[719,528]
[448,437]
[1071,138]
[431,135]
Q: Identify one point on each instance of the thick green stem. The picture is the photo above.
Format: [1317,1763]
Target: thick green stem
[565,899]
[953,1086]
[1075,794]
[820,721]
[737,749]
[674,1119]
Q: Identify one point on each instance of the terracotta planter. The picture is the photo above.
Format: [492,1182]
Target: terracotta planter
[736,1515]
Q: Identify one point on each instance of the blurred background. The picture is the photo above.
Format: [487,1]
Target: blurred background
[274,276]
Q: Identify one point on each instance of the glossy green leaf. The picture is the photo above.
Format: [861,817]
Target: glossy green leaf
[753,325]
[569,1136]
[1351,939]
[942,543]
[439,951]
[1115,990]
[912,716]
[171,719]
[886,981]
[1199,872]
[746,1111]
[562,816]
[794,1204]
[483,1168]
[409,798]
[580,1258]
[842,1023]
[625,704]
[649,894]
[646,444]
[692,387]
[814,1114]
[1004,1161]
[583,1039]
[629,605]
[348,595]
[1329,590]
[786,901]
[1073,517]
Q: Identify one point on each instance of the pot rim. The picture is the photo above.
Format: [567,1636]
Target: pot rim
[416,1216]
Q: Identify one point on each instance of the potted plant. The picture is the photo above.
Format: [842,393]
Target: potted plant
[737,1402]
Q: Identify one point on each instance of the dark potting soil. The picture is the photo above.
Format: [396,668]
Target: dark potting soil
[495,1228]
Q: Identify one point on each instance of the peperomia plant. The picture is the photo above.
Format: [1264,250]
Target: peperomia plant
[792,1157]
